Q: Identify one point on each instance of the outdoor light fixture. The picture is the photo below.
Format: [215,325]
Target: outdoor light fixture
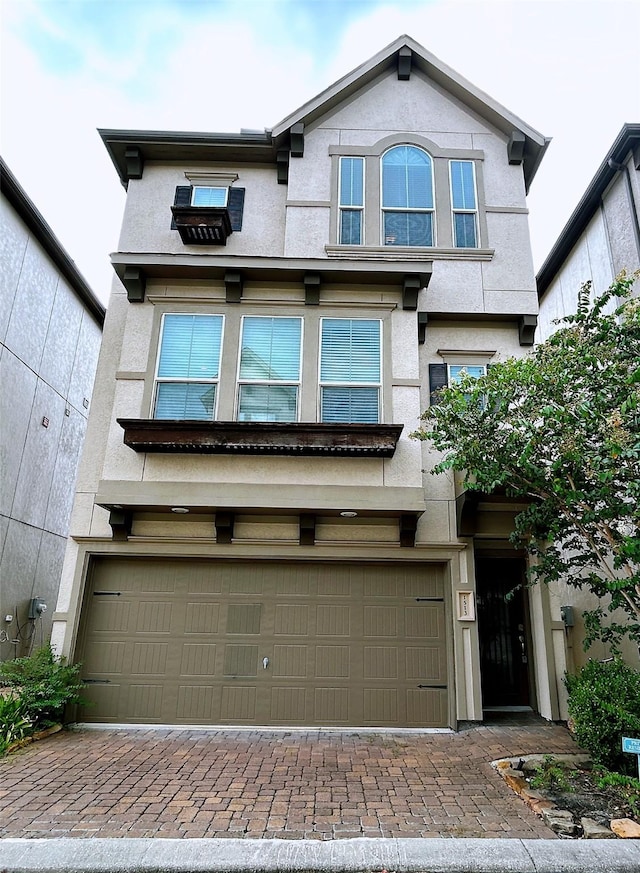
[348,513]
[179,509]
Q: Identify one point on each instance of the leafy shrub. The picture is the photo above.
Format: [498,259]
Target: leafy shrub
[14,722]
[628,785]
[45,684]
[551,775]
[604,703]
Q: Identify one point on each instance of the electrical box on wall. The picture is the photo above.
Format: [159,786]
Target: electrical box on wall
[36,607]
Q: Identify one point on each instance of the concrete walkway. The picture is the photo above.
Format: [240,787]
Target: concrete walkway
[312,856]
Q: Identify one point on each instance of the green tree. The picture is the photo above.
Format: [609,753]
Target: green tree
[561,429]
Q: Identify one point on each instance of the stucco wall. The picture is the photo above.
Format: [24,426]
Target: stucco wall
[48,352]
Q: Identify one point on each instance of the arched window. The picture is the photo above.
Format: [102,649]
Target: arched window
[407,197]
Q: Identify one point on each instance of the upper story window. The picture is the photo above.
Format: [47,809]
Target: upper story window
[188,367]
[457,371]
[350,370]
[269,369]
[407,197]
[463,204]
[205,195]
[351,201]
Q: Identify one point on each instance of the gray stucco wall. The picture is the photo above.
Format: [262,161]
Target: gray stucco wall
[48,353]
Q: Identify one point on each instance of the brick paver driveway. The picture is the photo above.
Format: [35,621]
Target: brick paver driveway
[311,784]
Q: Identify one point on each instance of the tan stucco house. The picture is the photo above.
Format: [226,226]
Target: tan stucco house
[257,540]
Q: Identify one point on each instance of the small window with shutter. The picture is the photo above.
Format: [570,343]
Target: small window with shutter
[197,205]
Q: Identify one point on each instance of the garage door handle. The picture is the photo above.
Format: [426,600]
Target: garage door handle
[432,686]
[265,663]
[97,681]
[103,593]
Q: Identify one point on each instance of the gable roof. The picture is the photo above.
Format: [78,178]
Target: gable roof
[628,140]
[455,84]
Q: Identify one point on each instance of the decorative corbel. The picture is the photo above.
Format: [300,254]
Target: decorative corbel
[224,526]
[307,529]
[408,525]
[135,281]
[312,289]
[120,521]
[423,318]
[233,285]
[297,140]
[282,166]
[515,147]
[410,288]
[527,329]
[405,56]
[134,162]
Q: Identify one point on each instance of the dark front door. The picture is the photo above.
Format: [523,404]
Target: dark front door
[502,627]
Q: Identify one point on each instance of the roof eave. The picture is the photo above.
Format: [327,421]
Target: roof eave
[627,140]
[33,219]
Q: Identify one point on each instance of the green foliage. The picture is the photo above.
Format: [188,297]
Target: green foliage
[14,722]
[560,429]
[45,684]
[628,784]
[604,704]
[551,775]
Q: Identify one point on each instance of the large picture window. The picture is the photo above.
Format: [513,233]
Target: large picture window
[188,367]
[407,197]
[350,370]
[269,370]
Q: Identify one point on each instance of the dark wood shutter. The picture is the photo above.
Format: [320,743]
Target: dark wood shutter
[437,380]
[235,205]
[182,198]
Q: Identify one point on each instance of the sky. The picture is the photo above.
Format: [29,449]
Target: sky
[568,68]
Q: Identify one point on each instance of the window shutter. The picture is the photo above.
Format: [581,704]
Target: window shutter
[437,380]
[182,198]
[235,205]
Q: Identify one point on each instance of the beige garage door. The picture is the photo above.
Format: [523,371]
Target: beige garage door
[211,642]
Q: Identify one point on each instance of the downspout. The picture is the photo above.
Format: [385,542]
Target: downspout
[634,212]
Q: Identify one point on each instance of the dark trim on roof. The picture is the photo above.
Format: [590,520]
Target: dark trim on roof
[627,141]
[187,146]
[27,211]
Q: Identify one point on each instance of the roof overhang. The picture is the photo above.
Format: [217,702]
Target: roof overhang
[627,141]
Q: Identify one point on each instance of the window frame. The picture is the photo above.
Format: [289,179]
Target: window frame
[196,188]
[458,210]
[349,207]
[408,210]
[239,381]
[379,385]
[161,380]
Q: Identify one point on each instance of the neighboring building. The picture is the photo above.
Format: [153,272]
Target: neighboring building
[256,537]
[50,332]
[601,239]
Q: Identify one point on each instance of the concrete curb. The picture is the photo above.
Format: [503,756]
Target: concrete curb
[315,856]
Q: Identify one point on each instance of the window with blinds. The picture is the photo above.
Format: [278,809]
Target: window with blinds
[407,197]
[188,367]
[351,201]
[350,370]
[463,204]
[269,369]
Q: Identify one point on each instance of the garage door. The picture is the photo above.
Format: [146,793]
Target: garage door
[211,642]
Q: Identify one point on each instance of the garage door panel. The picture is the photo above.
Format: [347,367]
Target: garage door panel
[290,661]
[202,618]
[346,644]
[198,703]
[198,659]
[239,703]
